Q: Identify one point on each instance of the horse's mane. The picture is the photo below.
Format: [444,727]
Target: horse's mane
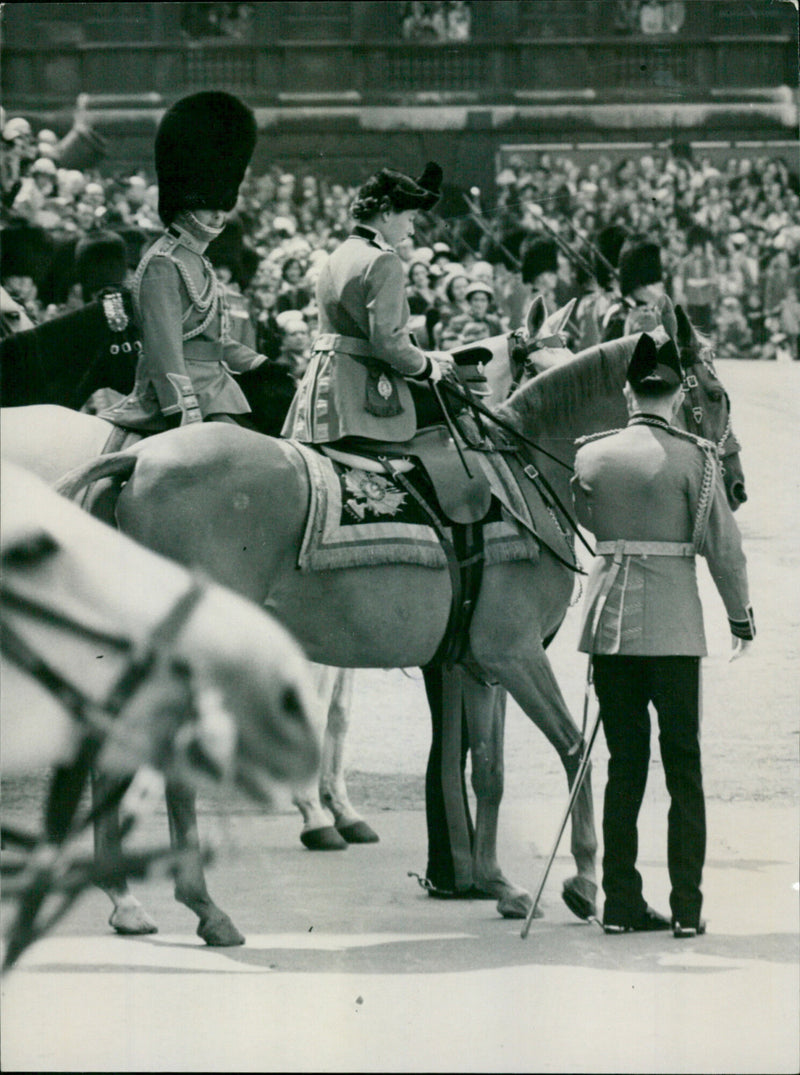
[550,401]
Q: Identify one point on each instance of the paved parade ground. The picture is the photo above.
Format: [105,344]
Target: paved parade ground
[349,966]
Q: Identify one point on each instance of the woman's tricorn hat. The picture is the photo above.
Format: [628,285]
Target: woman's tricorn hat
[639,265]
[203,146]
[401,191]
[655,368]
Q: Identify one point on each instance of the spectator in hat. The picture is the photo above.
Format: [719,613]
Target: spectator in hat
[203,146]
[480,299]
[364,360]
[295,343]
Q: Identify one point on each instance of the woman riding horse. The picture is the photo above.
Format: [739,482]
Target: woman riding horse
[203,146]
[358,382]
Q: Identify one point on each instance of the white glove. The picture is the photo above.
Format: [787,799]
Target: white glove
[442,364]
[739,647]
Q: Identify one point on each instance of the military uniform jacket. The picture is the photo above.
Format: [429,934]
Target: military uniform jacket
[653,497]
[363,334]
[187,348]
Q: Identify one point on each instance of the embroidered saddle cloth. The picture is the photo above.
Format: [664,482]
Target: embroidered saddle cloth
[362,518]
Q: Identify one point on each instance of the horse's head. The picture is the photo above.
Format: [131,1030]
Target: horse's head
[706,408]
[517,356]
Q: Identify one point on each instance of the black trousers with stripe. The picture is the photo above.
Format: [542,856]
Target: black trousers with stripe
[625,685]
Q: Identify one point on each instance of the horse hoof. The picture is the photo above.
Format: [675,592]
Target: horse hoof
[219,932]
[132,921]
[324,839]
[517,905]
[358,832]
[579,894]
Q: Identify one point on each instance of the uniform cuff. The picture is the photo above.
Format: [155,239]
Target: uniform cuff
[744,629]
[424,373]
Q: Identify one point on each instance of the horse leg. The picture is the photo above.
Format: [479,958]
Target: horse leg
[332,785]
[318,834]
[485,708]
[128,915]
[532,683]
[215,927]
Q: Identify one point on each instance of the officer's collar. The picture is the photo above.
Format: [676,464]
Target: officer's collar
[642,418]
[364,231]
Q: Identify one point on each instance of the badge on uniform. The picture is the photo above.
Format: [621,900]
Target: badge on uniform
[381,396]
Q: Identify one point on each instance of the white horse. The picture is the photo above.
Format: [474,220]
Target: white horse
[66,439]
[118,660]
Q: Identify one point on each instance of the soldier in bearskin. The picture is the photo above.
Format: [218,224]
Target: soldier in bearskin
[641,283]
[654,499]
[540,270]
[364,360]
[203,146]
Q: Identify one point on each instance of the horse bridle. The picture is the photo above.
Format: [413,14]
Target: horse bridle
[97,718]
[727,444]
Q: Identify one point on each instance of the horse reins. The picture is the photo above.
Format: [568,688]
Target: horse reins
[694,405]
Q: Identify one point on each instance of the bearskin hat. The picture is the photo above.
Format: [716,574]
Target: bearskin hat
[639,265]
[25,250]
[654,369]
[610,241]
[541,256]
[203,147]
[100,261]
[400,190]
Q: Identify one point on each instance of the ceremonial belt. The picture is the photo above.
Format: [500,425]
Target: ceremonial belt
[346,345]
[620,548]
[644,548]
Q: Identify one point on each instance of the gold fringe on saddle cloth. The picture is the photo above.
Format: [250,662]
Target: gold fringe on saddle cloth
[330,541]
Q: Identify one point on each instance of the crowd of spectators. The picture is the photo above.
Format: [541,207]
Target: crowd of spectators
[729,241]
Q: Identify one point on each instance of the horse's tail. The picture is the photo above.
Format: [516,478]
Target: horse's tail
[118,464]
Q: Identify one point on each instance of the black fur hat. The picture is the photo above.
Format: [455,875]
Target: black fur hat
[399,190]
[541,256]
[100,261]
[25,250]
[654,369]
[639,265]
[203,146]
[610,241]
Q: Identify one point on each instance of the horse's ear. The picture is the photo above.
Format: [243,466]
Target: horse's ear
[536,317]
[668,316]
[555,323]
[683,333]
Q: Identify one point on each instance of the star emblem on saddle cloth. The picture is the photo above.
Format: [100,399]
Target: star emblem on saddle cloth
[384,386]
[372,492]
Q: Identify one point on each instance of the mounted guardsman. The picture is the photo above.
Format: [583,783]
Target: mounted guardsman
[641,283]
[203,146]
[364,360]
[593,307]
[653,497]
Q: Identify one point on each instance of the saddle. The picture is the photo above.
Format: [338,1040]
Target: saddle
[462,498]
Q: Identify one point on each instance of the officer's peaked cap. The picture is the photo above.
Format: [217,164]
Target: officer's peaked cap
[653,367]
[203,146]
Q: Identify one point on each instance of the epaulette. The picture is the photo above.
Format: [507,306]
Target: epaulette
[595,436]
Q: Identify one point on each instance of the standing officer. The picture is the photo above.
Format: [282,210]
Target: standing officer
[364,360]
[653,497]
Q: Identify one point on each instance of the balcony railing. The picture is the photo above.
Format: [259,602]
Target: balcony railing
[489,72]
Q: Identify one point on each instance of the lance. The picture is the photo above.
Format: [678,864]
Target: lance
[613,271]
[577,259]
